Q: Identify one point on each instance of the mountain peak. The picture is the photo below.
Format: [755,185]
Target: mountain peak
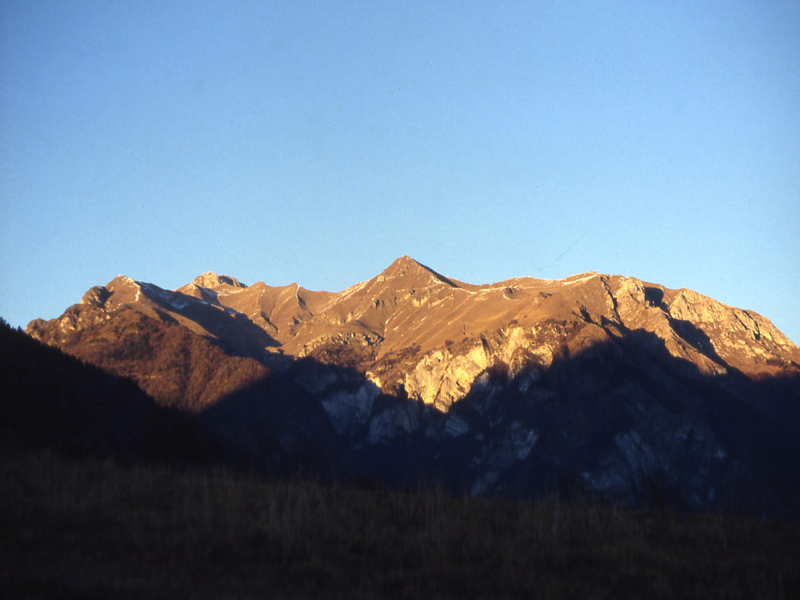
[212,280]
[407,268]
[403,262]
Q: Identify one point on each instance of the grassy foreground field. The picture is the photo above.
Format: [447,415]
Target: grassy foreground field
[93,529]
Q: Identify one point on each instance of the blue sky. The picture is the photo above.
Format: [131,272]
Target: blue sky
[318,141]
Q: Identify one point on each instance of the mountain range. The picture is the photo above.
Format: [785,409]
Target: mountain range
[596,383]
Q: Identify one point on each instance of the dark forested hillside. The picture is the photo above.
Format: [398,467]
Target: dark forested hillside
[52,401]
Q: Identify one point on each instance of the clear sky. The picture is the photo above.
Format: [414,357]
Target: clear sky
[318,141]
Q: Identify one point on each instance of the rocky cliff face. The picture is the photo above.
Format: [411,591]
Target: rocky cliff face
[600,382]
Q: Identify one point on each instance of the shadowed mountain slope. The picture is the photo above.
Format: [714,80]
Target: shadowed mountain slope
[621,420]
[55,402]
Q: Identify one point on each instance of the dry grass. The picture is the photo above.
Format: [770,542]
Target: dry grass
[95,530]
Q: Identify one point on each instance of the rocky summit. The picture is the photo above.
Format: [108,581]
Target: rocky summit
[596,383]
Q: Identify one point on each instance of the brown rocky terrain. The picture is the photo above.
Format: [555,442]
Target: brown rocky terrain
[410,330]
[129,329]
[597,383]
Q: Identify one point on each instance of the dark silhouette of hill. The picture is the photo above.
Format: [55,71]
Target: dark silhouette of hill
[55,402]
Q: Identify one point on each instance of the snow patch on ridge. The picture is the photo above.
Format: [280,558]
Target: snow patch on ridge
[586,278]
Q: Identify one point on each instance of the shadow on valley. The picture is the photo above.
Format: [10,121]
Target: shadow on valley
[622,422]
